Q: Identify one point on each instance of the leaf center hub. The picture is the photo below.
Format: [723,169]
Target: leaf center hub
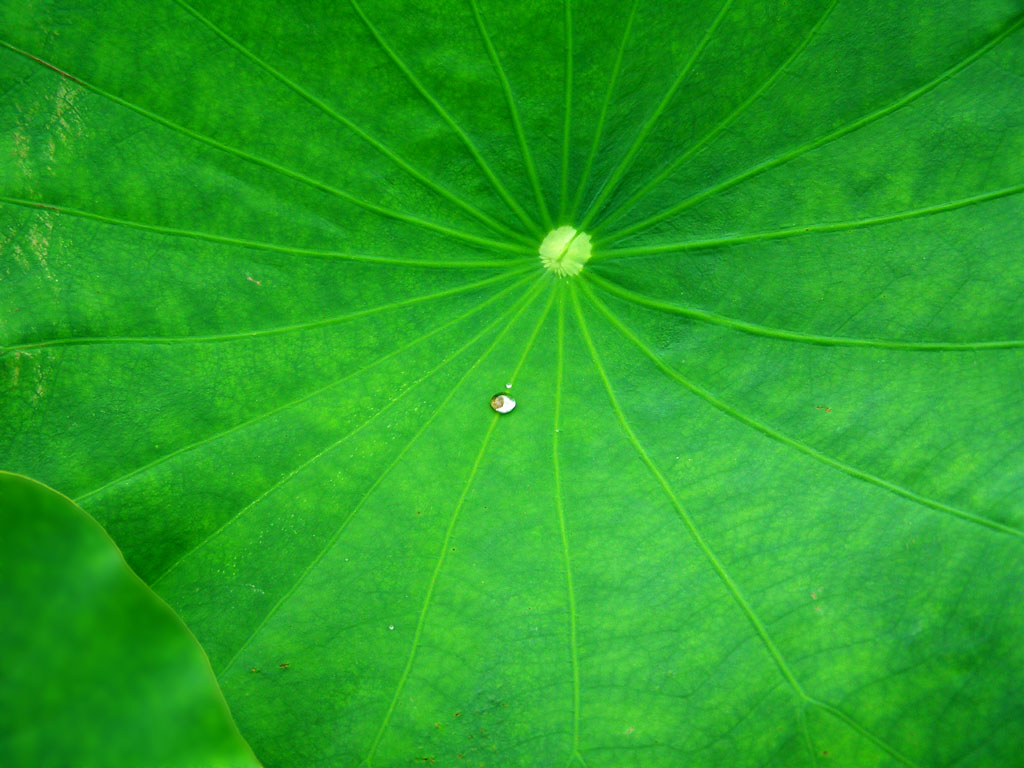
[565,250]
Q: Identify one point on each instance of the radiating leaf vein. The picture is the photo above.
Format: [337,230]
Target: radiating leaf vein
[514,311]
[844,130]
[807,450]
[806,229]
[723,575]
[756,329]
[599,130]
[442,557]
[725,123]
[355,128]
[517,124]
[263,332]
[299,400]
[269,164]
[627,160]
[274,247]
[529,223]
[563,188]
[559,508]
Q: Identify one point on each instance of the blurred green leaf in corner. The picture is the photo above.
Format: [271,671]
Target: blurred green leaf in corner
[96,670]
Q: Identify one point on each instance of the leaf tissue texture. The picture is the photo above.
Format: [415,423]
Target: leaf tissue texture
[761,499]
[98,671]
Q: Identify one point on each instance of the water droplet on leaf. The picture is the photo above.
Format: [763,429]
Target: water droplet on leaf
[502,403]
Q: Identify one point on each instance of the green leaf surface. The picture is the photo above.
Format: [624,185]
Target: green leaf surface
[760,501]
[98,671]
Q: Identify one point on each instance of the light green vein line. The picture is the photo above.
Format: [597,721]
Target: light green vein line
[301,399]
[255,160]
[780,437]
[725,123]
[804,338]
[801,714]
[368,760]
[836,226]
[442,557]
[525,301]
[364,135]
[259,245]
[563,192]
[695,534]
[529,223]
[613,181]
[853,724]
[719,569]
[559,507]
[535,332]
[821,141]
[531,170]
[90,340]
[585,176]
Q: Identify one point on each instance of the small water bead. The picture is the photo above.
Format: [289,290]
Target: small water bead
[502,403]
